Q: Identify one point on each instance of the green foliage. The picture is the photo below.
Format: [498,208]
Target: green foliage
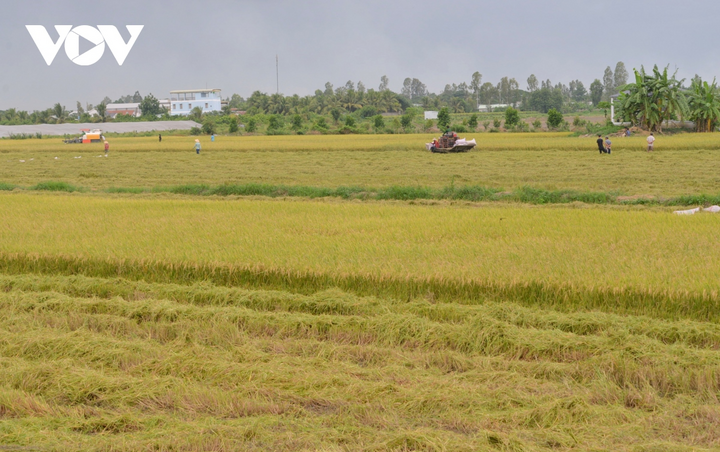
[208,127]
[368,111]
[604,106]
[55,186]
[545,99]
[704,105]
[459,128]
[250,124]
[102,111]
[537,124]
[335,113]
[275,123]
[350,121]
[195,131]
[512,117]
[296,122]
[196,114]
[150,107]
[652,99]
[497,122]
[60,113]
[473,121]
[443,118]
[378,122]
[233,126]
[406,120]
[596,92]
[555,119]
[321,124]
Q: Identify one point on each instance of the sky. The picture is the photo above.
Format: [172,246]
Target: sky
[232,45]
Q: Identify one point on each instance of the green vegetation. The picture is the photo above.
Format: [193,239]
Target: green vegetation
[652,99]
[443,119]
[554,119]
[512,117]
[704,105]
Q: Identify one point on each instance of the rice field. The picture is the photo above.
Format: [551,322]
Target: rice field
[107,364]
[681,165]
[134,319]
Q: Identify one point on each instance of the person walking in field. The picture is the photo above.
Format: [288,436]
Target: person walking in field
[197,146]
[160,137]
[608,145]
[601,144]
[107,148]
[650,142]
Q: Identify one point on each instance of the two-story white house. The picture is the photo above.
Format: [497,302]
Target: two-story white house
[183,101]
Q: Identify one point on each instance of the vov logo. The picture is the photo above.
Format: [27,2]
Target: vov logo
[103,34]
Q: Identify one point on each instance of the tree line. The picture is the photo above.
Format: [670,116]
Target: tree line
[466,97]
[463,97]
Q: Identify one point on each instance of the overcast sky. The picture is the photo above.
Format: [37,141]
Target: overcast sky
[232,45]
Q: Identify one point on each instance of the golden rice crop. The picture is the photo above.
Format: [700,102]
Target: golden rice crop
[681,164]
[486,141]
[610,250]
[110,364]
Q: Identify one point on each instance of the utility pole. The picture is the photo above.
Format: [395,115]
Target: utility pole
[277,73]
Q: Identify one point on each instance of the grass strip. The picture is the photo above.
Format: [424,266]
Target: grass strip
[56,186]
[656,303]
[473,193]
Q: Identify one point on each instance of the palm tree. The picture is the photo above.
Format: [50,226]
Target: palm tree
[102,110]
[9,114]
[704,105]
[277,104]
[457,105]
[60,113]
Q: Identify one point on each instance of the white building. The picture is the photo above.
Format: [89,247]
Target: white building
[132,109]
[183,101]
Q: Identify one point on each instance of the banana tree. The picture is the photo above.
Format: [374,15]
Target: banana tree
[704,105]
[652,99]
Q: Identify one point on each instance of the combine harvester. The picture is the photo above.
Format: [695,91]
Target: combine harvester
[450,143]
[89,136]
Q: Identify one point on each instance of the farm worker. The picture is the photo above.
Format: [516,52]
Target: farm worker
[212,137]
[650,142]
[107,148]
[608,145]
[601,145]
[197,146]
[160,137]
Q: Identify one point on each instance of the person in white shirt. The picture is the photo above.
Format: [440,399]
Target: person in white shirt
[650,141]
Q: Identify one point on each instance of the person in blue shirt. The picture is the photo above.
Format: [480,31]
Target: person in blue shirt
[197,146]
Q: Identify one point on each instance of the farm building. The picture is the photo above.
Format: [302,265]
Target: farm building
[183,101]
[132,109]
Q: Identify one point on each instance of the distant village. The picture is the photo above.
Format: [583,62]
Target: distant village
[180,103]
